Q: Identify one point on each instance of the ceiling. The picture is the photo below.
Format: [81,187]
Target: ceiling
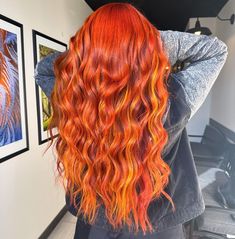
[171,14]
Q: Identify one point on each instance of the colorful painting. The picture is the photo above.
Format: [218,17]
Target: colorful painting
[43,46]
[13,116]
[46,107]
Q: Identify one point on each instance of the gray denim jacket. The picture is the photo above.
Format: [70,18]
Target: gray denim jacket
[203,57]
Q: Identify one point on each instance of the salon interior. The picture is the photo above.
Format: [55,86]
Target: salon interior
[32,201]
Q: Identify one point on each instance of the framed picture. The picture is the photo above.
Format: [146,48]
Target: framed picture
[44,45]
[13,113]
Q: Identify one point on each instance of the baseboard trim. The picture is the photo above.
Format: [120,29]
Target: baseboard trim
[54,223]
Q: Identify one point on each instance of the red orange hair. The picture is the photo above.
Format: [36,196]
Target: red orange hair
[108,103]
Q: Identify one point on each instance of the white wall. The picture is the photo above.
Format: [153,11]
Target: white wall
[223,94]
[198,122]
[29,197]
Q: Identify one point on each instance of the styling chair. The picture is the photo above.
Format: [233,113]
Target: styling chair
[212,150]
[218,219]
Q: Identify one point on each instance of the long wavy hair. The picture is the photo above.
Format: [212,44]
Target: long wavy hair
[108,102]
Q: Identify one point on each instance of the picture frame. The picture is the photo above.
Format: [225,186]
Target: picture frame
[42,46]
[13,110]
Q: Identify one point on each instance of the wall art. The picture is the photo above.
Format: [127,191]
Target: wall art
[13,112]
[44,45]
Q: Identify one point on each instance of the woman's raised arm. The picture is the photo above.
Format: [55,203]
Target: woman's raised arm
[44,73]
[203,57]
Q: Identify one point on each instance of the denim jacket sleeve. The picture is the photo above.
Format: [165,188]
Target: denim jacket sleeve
[44,73]
[203,57]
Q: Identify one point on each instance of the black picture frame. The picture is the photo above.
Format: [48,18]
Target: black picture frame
[13,111]
[42,41]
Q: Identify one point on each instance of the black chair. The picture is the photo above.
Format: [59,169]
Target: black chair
[213,148]
[215,152]
[216,221]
